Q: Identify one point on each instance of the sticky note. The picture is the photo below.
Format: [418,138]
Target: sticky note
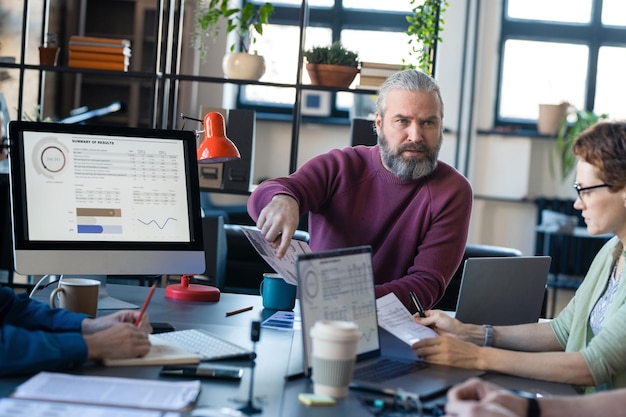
[315,399]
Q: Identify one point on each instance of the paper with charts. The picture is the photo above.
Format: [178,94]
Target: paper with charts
[396,319]
[286,266]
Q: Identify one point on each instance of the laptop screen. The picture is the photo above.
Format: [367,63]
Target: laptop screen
[338,285]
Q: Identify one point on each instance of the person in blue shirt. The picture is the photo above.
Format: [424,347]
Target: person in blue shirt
[35,337]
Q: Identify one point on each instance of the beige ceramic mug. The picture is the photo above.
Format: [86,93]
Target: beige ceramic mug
[79,295]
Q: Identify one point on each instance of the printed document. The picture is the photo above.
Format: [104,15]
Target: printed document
[12,407]
[396,319]
[286,266]
[110,391]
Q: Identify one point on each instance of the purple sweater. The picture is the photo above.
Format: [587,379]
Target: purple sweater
[417,229]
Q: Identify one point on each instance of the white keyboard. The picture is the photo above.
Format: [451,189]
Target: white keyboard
[208,346]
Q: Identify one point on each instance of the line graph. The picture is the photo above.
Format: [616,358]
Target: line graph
[148,223]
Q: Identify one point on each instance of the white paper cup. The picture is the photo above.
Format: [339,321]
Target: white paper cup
[334,354]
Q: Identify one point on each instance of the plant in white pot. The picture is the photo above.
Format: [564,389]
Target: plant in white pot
[246,22]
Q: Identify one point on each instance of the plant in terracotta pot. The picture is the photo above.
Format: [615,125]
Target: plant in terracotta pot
[332,66]
[49,51]
[246,22]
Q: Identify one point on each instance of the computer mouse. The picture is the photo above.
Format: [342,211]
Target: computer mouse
[216,412]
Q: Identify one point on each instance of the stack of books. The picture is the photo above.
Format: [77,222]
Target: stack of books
[99,53]
[373,74]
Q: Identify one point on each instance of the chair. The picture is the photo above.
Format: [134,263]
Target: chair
[244,266]
[450,296]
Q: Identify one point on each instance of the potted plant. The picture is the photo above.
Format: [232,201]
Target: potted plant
[567,134]
[333,66]
[425,26]
[49,51]
[246,22]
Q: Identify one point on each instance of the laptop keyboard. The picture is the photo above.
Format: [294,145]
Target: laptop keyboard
[385,369]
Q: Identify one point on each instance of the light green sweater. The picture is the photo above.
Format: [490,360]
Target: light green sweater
[605,353]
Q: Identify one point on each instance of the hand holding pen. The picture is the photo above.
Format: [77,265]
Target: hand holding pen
[417,303]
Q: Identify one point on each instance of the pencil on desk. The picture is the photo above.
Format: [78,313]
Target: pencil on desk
[241,310]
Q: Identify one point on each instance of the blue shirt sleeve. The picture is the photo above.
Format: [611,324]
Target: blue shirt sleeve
[35,337]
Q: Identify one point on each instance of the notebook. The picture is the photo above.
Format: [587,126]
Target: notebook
[503,290]
[339,285]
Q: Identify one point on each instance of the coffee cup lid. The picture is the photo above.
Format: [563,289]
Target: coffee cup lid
[335,330]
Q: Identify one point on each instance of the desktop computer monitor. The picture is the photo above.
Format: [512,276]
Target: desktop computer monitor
[93,200]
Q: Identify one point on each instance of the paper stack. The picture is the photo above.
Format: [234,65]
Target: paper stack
[99,53]
[373,74]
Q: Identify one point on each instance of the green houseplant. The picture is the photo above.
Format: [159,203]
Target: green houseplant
[425,25]
[333,65]
[246,22]
[567,134]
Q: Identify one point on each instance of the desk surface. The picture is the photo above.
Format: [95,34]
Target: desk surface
[277,353]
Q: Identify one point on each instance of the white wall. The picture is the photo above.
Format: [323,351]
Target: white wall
[504,169]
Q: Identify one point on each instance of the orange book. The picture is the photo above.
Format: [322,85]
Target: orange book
[93,56]
[121,50]
[92,39]
[105,65]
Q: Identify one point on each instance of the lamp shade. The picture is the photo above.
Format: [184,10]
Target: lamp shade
[216,147]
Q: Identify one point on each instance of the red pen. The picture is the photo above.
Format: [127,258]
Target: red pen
[145,304]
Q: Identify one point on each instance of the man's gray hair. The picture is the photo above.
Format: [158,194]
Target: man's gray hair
[409,80]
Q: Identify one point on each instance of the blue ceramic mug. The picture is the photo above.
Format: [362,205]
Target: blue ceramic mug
[277,294]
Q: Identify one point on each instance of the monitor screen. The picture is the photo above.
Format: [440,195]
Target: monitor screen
[104,200]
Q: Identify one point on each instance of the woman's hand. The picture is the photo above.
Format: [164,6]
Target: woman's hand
[450,351]
[440,322]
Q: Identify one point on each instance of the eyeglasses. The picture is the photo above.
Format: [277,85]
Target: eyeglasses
[580,190]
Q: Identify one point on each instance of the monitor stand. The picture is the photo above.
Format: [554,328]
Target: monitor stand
[105,301]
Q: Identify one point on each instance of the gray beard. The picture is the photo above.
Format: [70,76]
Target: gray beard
[408,168]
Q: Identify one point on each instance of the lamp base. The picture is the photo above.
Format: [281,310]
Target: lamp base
[192,292]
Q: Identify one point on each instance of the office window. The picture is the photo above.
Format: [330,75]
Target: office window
[376,31]
[560,50]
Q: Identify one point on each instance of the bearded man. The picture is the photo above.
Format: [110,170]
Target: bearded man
[397,197]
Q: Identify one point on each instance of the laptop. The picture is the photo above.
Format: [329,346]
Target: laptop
[503,290]
[339,285]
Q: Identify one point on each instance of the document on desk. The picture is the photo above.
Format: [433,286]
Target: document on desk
[12,407]
[396,319]
[286,266]
[110,391]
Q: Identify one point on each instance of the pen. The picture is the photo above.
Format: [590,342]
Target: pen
[418,305]
[145,304]
[241,310]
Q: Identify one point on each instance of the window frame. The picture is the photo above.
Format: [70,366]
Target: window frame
[594,35]
[335,18]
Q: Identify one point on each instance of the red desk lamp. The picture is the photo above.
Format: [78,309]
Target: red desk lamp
[215,148]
